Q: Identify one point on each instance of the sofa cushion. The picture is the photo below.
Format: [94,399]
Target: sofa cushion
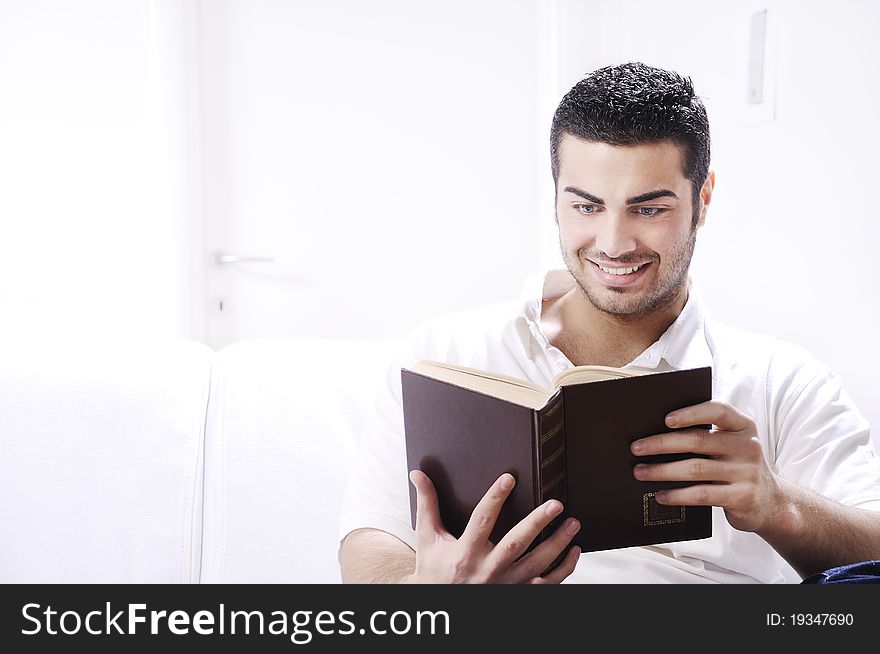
[100,470]
[283,419]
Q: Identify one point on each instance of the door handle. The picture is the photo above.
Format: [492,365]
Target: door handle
[221,258]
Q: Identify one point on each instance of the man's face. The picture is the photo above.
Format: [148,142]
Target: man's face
[625,223]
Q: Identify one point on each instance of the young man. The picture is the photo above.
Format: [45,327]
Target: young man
[791,470]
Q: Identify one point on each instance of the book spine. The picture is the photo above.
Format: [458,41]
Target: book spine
[552,483]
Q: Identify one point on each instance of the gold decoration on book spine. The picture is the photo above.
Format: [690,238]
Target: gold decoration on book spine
[552,483]
[550,423]
[550,459]
[554,408]
[550,434]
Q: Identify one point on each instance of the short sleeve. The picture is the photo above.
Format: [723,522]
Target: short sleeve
[377,491]
[824,442]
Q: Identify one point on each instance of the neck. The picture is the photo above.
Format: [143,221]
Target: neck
[588,336]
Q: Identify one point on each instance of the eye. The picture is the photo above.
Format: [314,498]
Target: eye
[585,209]
[648,212]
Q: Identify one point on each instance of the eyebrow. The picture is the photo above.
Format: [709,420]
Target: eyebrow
[583,194]
[652,195]
[644,197]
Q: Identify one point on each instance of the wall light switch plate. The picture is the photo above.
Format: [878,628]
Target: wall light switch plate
[761,28]
[757,43]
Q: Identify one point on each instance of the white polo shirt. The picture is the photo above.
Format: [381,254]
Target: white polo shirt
[811,431]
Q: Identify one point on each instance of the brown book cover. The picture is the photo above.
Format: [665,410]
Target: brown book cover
[575,448]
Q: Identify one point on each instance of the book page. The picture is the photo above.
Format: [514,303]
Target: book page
[582,374]
[505,387]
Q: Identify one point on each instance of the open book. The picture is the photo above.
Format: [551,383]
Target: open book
[518,391]
[570,441]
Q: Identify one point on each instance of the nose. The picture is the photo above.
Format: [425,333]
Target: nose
[615,237]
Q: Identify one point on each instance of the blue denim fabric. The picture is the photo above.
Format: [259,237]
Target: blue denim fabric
[864,572]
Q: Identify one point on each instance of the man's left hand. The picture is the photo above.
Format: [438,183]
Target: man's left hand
[736,476]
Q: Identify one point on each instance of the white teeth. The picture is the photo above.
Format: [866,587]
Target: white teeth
[619,271]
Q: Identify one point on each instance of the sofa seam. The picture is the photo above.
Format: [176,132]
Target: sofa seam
[221,485]
[186,563]
[187,513]
[200,535]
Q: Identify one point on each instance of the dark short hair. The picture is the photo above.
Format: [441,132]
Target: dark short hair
[635,103]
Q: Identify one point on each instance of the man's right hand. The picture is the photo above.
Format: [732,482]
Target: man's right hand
[473,558]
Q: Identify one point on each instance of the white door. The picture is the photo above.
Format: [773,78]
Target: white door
[377,159]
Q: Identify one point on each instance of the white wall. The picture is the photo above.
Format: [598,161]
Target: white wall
[788,244]
[94,239]
[381,152]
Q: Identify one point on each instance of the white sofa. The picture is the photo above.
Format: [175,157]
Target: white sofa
[173,463]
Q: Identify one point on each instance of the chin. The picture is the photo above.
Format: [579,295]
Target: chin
[628,310]
[615,301]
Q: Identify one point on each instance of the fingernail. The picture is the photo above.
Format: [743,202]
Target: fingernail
[660,497]
[506,482]
[672,419]
[637,446]
[640,470]
[573,526]
[553,507]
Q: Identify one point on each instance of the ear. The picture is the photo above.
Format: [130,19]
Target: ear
[706,196]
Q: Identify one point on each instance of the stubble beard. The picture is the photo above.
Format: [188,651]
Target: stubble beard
[621,303]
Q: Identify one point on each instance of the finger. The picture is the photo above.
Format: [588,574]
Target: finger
[714,412]
[517,540]
[698,441]
[697,469]
[428,522]
[561,571]
[536,562]
[485,514]
[698,495]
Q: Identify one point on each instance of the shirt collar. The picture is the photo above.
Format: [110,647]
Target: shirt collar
[682,346]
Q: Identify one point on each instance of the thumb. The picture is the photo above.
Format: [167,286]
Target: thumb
[428,522]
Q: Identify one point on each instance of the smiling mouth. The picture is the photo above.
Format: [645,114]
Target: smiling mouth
[621,271]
